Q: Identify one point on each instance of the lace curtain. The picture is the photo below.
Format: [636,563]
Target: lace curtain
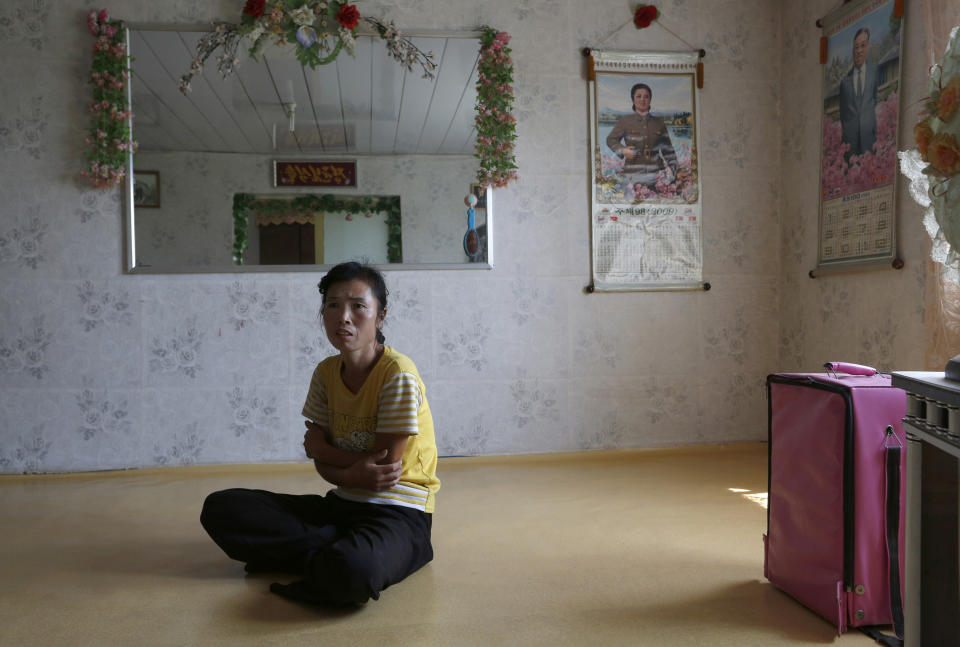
[939,17]
[942,298]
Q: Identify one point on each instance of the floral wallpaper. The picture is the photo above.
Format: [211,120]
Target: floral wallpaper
[104,370]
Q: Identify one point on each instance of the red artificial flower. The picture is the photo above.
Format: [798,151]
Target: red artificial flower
[645,14]
[254,8]
[349,16]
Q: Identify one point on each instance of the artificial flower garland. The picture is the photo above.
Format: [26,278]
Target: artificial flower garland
[318,29]
[496,125]
[241,216]
[934,165]
[109,139]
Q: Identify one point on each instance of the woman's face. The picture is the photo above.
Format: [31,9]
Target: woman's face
[641,100]
[351,316]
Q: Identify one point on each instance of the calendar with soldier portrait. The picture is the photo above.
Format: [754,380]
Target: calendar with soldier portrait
[645,187]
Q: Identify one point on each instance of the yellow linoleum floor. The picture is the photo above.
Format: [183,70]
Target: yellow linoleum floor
[659,547]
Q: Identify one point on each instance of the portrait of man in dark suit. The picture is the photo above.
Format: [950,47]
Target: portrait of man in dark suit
[858,99]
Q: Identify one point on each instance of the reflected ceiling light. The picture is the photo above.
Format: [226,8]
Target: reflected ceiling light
[290,109]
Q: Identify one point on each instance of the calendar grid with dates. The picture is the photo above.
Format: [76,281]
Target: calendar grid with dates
[632,247]
[857,226]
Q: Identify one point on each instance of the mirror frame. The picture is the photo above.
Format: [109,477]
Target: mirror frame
[130,252]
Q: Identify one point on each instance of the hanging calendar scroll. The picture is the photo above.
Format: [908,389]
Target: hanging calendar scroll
[860,57]
[645,187]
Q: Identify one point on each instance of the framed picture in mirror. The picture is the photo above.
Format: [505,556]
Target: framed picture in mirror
[146,189]
[325,173]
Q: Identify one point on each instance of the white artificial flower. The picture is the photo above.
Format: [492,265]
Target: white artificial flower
[347,37]
[303,16]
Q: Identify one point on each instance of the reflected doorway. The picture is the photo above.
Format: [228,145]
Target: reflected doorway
[318,229]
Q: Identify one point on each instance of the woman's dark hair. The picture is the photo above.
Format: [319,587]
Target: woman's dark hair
[353,270]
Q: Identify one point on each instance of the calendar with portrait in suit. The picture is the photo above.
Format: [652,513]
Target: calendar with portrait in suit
[860,56]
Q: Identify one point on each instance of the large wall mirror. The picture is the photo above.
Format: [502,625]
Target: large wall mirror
[411,138]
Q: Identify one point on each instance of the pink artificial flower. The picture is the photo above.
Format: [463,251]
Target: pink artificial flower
[92,23]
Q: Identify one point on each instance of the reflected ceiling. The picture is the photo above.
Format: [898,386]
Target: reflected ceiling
[365,104]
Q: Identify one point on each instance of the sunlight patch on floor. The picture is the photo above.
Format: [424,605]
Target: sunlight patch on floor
[760,498]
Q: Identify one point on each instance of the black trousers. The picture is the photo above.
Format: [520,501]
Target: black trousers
[347,551]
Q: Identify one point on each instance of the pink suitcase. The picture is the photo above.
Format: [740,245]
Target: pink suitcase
[835,528]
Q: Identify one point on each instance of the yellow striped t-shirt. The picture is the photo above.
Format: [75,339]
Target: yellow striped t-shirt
[392,400]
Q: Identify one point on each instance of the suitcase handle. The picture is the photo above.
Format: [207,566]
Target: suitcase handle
[850,369]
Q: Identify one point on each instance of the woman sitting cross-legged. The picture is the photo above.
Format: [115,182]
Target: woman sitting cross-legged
[370,434]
